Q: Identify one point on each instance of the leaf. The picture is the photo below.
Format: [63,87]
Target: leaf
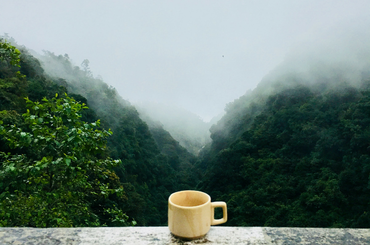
[68,161]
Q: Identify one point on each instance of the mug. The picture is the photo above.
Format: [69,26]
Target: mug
[191,214]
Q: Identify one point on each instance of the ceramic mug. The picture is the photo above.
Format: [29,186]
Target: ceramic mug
[191,214]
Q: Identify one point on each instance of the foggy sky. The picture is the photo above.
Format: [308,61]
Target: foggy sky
[196,54]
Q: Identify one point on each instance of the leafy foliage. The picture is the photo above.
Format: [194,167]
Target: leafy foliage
[303,161]
[62,172]
[288,153]
[144,163]
[9,53]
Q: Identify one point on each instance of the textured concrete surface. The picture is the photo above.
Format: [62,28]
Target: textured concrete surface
[161,235]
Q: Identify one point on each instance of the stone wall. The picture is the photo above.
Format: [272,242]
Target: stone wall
[161,235]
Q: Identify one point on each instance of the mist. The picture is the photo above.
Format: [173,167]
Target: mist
[325,60]
[197,55]
[288,77]
[336,56]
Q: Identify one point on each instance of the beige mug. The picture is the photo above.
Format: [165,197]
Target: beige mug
[191,214]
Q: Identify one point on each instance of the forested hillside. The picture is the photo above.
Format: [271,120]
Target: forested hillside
[293,154]
[149,166]
[187,128]
[295,151]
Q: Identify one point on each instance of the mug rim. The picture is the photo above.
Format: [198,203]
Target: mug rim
[189,207]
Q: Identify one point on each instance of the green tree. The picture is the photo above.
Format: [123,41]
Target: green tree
[61,176]
[10,55]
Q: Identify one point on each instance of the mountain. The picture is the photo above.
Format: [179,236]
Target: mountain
[294,151]
[187,128]
[152,161]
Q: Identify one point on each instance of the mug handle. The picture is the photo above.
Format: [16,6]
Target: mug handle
[224,209]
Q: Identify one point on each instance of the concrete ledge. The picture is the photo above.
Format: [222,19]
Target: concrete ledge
[161,235]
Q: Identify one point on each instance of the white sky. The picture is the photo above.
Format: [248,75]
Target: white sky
[196,54]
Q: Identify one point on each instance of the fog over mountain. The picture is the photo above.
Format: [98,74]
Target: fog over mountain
[291,148]
[198,55]
[341,53]
[332,57]
[185,127]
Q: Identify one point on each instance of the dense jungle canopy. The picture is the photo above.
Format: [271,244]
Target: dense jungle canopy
[74,153]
